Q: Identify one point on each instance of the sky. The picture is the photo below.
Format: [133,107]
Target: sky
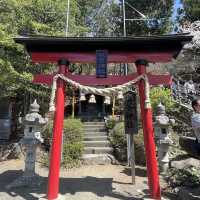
[177,4]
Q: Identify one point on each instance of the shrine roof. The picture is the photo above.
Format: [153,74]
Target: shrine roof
[162,43]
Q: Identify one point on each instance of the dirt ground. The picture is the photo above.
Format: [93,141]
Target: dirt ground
[108,182]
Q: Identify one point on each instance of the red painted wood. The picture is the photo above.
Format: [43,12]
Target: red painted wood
[148,132]
[110,80]
[90,57]
[54,169]
[46,79]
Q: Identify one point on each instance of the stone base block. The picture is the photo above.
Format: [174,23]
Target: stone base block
[25,181]
[189,194]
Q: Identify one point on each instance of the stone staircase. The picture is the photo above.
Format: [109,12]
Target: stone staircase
[97,148]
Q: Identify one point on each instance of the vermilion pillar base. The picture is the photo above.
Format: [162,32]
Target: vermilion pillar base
[146,115]
[53,180]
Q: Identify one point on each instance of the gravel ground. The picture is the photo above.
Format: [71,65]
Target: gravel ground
[97,182]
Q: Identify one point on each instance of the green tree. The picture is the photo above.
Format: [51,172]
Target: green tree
[159,11]
[100,16]
[41,17]
[162,95]
[105,17]
[190,11]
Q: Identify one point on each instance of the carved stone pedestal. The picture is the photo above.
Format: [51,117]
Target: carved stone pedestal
[33,123]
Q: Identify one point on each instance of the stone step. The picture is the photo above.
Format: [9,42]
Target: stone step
[94,126]
[97,150]
[94,129]
[95,138]
[94,123]
[98,159]
[104,143]
[95,134]
[91,119]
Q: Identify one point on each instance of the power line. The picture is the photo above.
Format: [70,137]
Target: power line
[142,15]
[67,18]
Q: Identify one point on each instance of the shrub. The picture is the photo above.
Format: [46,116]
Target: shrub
[72,154]
[164,95]
[189,177]
[47,133]
[73,130]
[140,156]
[110,123]
[72,141]
[118,137]
[119,142]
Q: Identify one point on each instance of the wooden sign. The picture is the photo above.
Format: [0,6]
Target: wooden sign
[130,113]
[101,63]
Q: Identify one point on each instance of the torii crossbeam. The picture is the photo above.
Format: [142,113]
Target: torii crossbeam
[91,80]
[139,50]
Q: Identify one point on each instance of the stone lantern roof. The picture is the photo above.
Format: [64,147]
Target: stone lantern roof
[34,107]
[33,117]
[161,119]
[161,109]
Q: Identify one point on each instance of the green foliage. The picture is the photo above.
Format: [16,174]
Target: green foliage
[161,10]
[72,153]
[103,17]
[189,177]
[41,17]
[47,132]
[118,137]
[163,95]
[190,10]
[25,17]
[110,123]
[140,156]
[106,18]
[72,145]
[73,130]
[119,142]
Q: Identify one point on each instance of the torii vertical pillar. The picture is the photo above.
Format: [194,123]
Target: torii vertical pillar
[146,115]
[53,180]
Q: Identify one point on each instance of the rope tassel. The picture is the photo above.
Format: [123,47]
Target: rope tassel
[53,93]
[147,93]
[103,92]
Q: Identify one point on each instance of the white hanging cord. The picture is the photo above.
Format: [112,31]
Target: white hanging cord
[52,98]
[147,93]
[99,91]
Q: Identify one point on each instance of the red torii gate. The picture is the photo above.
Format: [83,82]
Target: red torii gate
[140,50]
[91,80]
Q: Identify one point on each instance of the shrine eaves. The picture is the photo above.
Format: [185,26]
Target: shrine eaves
[44,49]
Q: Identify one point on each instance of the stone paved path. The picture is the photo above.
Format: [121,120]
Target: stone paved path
[100,182]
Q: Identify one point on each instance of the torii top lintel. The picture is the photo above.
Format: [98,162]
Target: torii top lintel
[45,49]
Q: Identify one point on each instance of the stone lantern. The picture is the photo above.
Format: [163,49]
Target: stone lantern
[33,123]
[162,132]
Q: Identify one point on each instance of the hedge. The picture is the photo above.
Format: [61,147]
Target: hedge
[72,142]
[119,143]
